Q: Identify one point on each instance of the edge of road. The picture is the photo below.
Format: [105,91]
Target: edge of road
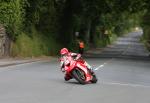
[8,61]
[131,57]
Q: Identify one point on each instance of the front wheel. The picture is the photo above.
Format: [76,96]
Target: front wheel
[79,75]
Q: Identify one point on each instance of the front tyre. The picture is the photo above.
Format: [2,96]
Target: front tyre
[79,75]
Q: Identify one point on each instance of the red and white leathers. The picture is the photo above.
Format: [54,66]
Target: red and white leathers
[65,60]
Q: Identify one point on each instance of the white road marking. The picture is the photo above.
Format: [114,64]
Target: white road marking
[12,67]
[99,67]
[126,84]
[102,65]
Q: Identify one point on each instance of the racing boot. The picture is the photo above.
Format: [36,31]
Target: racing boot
[91,70]
[67,77]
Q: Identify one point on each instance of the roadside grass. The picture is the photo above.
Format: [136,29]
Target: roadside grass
[37,45]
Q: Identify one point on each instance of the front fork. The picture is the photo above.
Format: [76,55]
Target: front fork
[86,71]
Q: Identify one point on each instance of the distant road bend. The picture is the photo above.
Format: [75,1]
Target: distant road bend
[127,46]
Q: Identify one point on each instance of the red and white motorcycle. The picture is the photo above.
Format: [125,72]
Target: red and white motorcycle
[78,70]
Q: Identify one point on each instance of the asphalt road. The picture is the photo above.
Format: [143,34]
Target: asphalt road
[120,81]
[128,46]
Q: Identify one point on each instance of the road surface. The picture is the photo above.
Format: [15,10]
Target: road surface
[119,81]
[128,46]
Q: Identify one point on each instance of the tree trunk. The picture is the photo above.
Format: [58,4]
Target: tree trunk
[87,33]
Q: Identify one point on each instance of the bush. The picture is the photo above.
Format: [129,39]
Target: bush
[12,14]
[36,45]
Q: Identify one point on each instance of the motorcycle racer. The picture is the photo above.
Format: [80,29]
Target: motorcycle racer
[65,54]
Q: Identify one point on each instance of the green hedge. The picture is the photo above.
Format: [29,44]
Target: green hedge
[12,14]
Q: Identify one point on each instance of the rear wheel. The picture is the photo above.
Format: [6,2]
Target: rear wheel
[79,75]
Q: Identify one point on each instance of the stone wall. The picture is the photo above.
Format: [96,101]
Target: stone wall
[4,42]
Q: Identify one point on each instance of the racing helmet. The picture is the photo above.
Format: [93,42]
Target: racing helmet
[64,51]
